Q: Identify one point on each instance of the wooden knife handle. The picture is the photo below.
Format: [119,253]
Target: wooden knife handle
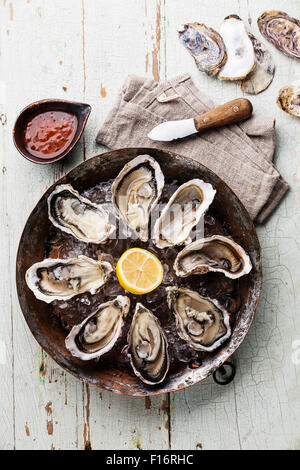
[228,113]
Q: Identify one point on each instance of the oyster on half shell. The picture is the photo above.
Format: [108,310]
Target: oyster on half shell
[183,211]
[62,279]
[98,333]
[136,190]
[263,73]
[147,347]
[205,45]
[240,51]
[215,254]
[288,99]
[78,216]
[200,321]
[281,30]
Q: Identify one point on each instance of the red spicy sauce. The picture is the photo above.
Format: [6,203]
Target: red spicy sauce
[49,134]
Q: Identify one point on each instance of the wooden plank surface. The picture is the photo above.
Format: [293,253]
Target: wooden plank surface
[83,50]
[261,408]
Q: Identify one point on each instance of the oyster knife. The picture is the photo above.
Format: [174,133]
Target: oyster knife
[229,113]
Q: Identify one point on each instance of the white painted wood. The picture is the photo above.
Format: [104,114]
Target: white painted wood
[83,50]
[261,409]
[6,326]
[46,407]
[40,417]
[119,42]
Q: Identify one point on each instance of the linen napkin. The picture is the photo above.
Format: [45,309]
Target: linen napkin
[240,154]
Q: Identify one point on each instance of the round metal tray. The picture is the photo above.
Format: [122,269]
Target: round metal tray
[52,338]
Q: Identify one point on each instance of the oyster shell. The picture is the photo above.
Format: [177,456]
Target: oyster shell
[240,51]
[200,321]
[288,99]
[98,333]
[183,211]
[281,30]
[147,347]
[216,254]
[205,45]
[263,73]
[136,190]
[62,279]
[78,216]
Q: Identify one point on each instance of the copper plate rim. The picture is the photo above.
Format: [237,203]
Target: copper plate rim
[224,355]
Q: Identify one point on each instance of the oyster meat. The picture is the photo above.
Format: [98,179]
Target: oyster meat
[288,99]
[205,45]
[147,347]
[98,333]
[216,254]
[240,51]
[136,190]
[201,322]
[78,216]
[282,31]
[62,279]
[263,73]
[183,212]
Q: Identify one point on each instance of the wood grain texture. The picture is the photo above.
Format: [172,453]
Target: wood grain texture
[228,113]
[84,53]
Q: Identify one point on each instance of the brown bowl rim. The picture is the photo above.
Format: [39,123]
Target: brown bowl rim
[149,392]
[72,144]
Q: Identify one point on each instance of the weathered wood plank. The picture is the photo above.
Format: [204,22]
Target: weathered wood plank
[6,324]
[52,409]
[84,53]
[119,43]
[116,44]
[41,66]
[261,409]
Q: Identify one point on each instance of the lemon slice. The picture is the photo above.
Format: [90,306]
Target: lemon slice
[139,271]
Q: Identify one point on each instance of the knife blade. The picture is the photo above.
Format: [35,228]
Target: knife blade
[229,113]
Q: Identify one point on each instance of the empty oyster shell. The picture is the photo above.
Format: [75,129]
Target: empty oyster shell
[281,30]
[216,254]
[98,333]
[263,73]
[183,211]
[240,52]
[78,216]
[289,99]
[147,347]
[136,190]
[62,279]
[205,45]
[200,321]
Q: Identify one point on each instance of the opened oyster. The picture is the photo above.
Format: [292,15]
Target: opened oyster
[289,99]
[78,216]
[62,279]
[282,31]
[136,190]
[205,45]
[98,333]
[240,51]
[216,254]
[147,347]
[263,73]
[201,322]
[183,211]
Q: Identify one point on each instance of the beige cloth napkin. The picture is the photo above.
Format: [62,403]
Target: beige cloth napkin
[240,154]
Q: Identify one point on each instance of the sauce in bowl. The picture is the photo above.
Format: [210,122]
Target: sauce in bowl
[48,134]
